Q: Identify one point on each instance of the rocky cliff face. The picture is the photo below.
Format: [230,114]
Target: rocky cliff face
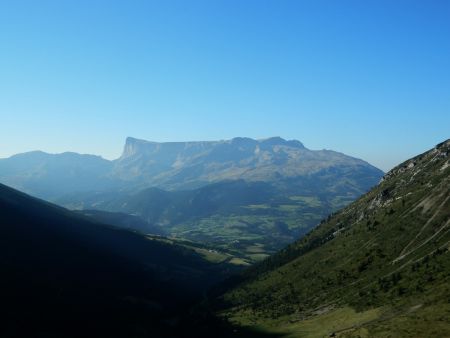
[181,165]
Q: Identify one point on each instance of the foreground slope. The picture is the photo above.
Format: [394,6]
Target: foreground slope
[379,267]
[63,275]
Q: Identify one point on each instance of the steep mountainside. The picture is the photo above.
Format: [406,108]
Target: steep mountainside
[64,276]
[379,267]
[184,165]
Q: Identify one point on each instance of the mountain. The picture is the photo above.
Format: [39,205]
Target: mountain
[52,175]
[183,166]
[378,268]
[188,165]
[64,275]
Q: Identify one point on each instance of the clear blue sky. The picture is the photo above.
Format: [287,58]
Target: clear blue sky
[367,78]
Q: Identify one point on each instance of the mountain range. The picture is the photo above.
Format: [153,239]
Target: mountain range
[187,165]
[179,166]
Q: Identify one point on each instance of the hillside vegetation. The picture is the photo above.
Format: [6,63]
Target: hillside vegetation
[379,267]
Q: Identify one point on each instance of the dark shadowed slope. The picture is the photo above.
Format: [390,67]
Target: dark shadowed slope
[124,221]
[379,267]
[63,275]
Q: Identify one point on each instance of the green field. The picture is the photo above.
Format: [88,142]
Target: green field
[244,233]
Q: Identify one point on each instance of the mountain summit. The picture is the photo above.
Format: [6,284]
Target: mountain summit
[134,146]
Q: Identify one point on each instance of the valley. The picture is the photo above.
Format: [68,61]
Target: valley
[247,198]
[234,216]
[294,257]
[224,169]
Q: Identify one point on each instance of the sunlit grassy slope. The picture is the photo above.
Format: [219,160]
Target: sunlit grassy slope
[379,267]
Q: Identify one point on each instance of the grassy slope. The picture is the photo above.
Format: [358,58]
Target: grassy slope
[378,267]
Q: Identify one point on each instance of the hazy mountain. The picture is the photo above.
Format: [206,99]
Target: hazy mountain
[52,175]
[379,267]
[181,166]
[186,165]
[66,276]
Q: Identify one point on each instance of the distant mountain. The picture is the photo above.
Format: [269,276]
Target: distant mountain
[187,165]
[181,166]
[66,276]
[52,175]
[378,268]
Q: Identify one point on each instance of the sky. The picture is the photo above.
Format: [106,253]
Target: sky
[367,78]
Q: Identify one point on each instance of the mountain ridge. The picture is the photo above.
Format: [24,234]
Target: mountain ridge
[187,165]
[174,166]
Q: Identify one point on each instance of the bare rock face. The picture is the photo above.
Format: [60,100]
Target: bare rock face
[132,147]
